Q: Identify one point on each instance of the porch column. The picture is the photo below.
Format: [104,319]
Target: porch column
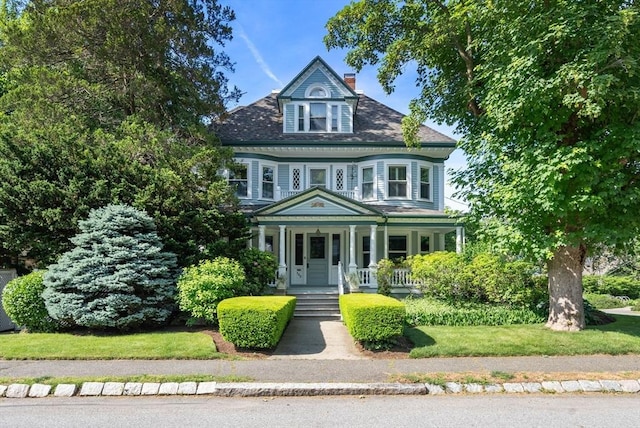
[459,239]
[261,240]
[441,241]
[282,263]
[352,249]
[373,257]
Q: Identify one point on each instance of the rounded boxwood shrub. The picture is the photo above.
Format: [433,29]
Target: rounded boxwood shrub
[117,276]
[202,287]
[23,303]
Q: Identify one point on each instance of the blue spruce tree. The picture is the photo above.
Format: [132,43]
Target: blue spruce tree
[117,276]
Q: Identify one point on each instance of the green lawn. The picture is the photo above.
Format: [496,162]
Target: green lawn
[65,346]
[620,337]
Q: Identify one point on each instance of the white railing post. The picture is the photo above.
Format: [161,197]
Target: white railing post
[340,278]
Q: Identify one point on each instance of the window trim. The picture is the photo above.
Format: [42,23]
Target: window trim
[261,181]
[407,166]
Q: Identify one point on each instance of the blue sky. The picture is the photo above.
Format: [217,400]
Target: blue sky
[275,39]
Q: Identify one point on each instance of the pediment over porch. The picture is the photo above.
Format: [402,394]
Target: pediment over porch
[317,202]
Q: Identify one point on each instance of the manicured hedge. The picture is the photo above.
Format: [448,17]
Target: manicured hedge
[255,321]
[372,317]
[427,311]
[613,285]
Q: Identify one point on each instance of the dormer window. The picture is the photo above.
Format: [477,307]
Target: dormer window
[316,116]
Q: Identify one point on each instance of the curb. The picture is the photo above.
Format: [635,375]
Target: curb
[250,389]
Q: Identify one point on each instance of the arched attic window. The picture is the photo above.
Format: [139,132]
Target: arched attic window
[317,91]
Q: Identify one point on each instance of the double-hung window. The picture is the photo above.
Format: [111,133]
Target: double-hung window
[239,180]
[317,117]
[367,183]
[425,185]
[268,180]
[397,181]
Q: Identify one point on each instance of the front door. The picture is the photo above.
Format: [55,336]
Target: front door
[318,261]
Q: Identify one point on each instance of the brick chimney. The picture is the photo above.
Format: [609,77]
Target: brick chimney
[350,79]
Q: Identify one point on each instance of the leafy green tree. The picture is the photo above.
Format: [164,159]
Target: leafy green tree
[117,276]
[107,101]
[545,95]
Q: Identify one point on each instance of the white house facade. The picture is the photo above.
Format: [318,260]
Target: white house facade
[328,183]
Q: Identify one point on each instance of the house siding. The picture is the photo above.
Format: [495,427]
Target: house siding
[283,176]
[317,77]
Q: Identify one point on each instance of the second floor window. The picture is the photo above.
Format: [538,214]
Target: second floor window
[267,182]
[397,182]
[317,177]
[425,187]
[367,183]
[238,179]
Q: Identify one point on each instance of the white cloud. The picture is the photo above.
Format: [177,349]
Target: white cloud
[258,57]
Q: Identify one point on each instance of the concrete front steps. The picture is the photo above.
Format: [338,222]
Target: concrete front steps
[316,302]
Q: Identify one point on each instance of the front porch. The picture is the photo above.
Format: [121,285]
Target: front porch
[321,238]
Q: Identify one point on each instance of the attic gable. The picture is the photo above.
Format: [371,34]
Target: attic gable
[317,72]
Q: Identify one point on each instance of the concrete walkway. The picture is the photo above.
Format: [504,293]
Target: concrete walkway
[314,339]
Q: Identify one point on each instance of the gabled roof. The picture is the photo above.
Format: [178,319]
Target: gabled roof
[374,123]
[324,202]
[331,74]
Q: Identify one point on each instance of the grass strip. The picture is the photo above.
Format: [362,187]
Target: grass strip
[620,337]
[148,346]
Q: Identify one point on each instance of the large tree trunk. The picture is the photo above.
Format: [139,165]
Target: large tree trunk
[566,308]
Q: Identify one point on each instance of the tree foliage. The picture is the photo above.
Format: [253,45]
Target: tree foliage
[22,301]
[546,97]
[117,276]
[108,101]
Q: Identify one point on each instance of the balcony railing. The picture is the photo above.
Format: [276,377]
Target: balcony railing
[282,194]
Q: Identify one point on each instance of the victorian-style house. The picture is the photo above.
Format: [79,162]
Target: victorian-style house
[328,183]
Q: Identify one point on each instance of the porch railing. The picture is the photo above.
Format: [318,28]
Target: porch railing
[281,194]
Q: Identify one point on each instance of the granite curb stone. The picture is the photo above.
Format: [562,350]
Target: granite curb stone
[132,388]
[611,385]
[552,386]
[39,390]
[91,389]
[65,390]
[17,390]
[627,385]
[113,388]
[255,389]
[150,388]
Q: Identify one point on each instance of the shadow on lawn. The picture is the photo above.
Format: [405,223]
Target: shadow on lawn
[626,324]
[418,337]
